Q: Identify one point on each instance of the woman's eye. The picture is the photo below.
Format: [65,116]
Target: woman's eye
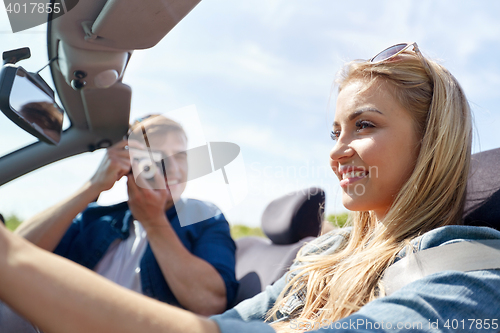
[334,135]
[362,124]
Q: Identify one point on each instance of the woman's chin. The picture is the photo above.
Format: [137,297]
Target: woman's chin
[353,203]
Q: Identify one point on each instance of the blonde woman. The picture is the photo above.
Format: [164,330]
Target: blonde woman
[402,134]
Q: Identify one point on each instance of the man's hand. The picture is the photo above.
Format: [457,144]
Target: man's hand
[115,165]
[47,228]
[147,204]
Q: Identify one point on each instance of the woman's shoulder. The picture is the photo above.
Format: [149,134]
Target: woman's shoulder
[452,249]
[448,235]
[454,233]
[336,239]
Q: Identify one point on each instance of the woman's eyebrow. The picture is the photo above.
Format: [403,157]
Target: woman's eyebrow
[361,111]
[355,114]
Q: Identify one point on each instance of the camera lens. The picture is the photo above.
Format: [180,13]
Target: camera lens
[147,169]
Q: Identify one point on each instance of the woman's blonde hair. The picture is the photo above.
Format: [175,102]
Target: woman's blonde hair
[433,196]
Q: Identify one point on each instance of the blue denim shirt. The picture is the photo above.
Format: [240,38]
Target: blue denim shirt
[93,231]
[448,301]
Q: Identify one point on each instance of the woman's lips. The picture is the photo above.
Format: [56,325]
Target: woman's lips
[352,177]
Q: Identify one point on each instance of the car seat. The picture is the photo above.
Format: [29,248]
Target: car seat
[482,207]
[288,222]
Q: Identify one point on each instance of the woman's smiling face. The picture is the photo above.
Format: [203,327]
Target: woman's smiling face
[376,146]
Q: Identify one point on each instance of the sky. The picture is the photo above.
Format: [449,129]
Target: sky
[260,74]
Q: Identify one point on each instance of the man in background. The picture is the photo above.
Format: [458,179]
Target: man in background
[140,243]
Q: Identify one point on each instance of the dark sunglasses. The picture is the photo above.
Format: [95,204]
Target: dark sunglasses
[393,51]
[397,49]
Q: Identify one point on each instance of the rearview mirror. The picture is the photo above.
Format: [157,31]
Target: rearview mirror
[27,100]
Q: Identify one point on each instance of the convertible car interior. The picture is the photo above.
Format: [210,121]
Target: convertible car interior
[89,48]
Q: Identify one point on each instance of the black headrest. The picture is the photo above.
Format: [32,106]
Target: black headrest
[290,218]
[482,207]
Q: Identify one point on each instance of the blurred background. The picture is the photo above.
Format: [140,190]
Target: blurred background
[260,74]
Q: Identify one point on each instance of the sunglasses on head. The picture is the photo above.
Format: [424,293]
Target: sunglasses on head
[393,51]
[397,49]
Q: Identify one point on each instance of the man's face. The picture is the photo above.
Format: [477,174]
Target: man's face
[173,147]
[166,150]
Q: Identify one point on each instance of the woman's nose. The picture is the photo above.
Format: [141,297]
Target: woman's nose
[342,149]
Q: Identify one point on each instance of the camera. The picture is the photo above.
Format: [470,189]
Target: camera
[145,164]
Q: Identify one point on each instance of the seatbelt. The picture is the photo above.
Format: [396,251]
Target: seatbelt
[462,256]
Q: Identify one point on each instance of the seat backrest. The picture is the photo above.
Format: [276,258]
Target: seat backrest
[288,222]
[482,207]
[260,263]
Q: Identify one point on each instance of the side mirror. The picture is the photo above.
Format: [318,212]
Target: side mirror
[27,100]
